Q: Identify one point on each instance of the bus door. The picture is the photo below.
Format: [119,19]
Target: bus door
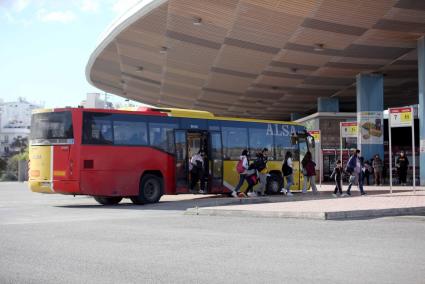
[303,149]
[215,156]
[182,161]
[305,144]
[188,143]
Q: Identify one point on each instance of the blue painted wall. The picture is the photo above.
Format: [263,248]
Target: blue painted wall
[370,98]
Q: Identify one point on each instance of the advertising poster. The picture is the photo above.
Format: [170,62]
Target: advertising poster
[371,127]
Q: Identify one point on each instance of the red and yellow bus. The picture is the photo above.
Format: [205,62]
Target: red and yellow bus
[143,154]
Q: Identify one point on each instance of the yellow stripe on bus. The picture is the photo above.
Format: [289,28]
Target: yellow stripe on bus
[40,174]
[42,110]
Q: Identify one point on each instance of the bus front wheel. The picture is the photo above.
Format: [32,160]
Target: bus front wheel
[151,190]
[107,200]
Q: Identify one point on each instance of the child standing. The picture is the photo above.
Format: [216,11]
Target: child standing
[337,175]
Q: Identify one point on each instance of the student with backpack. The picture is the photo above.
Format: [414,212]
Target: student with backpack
[241,168]
[196,167]
[261,167]
[337,175]
[287,171]
[309,172]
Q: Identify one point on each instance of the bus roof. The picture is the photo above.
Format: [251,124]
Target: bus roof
[172,112]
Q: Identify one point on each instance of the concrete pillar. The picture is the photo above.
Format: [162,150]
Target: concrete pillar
[327,104]
[370,108]
[295,116]
[421,110]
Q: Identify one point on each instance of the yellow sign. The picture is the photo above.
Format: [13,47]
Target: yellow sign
[406,117]
[400,117]
[349,129]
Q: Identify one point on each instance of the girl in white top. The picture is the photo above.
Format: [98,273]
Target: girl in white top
[287,170]
[245,165]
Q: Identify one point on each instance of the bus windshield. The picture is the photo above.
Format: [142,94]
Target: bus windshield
[51,128]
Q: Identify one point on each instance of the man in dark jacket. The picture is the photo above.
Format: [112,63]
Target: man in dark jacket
[402,165]
[354,168]
[378,168]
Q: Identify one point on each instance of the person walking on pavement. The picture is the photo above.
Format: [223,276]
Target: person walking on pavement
[337,175]
[309,172]
[354,168]
[287,171]
[367,170]
[196,167]
[377,166]
[402,165]
[241,168]
[251,178]
[260,165]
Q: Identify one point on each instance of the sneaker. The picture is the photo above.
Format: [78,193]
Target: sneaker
[289,193]
[304,191]
[234,194]
[334,195]
[363,193]
[283,191]
[349,194]
[242,194]
[252,194]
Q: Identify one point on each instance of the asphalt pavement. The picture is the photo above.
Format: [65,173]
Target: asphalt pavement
[66,239]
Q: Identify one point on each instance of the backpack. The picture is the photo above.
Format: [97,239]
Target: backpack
[259,164]
[239,167]
[286,170]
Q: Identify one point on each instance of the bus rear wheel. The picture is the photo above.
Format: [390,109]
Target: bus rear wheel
[274,184]
[107,200]
[151,190]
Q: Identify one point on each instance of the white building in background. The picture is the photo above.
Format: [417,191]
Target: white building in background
[93,100]
[15,122]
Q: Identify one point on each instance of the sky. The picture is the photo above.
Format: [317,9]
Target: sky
[45,46]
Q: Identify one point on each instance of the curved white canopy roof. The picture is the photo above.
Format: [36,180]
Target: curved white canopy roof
[259,58]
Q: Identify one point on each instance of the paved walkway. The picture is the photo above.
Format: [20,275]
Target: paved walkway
[377,203]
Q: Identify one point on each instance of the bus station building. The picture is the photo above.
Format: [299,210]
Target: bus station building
[276,59]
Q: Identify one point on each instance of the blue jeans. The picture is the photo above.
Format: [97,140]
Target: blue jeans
[312,180]
[241,180]
[359,179]
[289,182]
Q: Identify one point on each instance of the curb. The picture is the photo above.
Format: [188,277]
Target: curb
[339,215]
[374,213]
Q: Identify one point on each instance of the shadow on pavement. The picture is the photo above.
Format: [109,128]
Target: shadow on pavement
[222,200]
[173,205]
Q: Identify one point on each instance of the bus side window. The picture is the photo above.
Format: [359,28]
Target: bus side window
[97,129]
[258,140]
[130,133]
[161,136]
[284,144]
[106,133]
[235,140]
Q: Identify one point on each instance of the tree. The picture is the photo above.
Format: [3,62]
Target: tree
[3,165]
[11,170]
[19,144]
